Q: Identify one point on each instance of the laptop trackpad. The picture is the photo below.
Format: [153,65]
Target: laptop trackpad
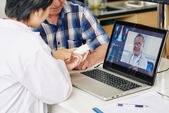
[96,88]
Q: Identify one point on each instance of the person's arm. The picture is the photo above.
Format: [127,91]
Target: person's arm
[45,77]
[94,57]
[96,38]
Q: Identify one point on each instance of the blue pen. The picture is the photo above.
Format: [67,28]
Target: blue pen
[131,105]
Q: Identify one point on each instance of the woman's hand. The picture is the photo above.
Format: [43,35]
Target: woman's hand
[63,54]
[74,61]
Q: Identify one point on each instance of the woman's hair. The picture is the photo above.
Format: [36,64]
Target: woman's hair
[21,9]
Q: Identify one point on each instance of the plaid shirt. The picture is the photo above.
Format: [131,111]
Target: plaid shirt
[75,26]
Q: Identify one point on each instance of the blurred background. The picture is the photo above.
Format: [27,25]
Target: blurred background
[2,6]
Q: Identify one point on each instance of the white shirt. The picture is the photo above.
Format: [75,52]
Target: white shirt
[30,77]
[138,61]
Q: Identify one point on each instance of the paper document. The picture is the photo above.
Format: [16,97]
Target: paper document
[154,102]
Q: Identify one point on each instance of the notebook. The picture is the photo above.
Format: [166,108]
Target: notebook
[130,64]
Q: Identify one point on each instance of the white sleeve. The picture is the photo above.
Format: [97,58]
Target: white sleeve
[47,78]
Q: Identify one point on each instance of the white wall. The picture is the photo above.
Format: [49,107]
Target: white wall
[2,8]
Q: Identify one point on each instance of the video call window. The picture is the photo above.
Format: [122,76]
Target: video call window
[134,47]
[141,52]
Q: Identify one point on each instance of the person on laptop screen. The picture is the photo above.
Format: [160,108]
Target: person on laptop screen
[137,58]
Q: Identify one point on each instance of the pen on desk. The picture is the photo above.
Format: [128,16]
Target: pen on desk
[164,96]
[160,93]
[132,105]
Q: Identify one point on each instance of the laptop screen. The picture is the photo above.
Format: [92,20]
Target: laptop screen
[135,50]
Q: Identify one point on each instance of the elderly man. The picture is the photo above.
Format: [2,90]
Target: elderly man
[137,58]
[70,24]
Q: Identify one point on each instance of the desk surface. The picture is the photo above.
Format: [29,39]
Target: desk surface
[82,102]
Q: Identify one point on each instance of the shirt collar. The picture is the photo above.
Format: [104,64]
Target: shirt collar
[138,57]
[66,9]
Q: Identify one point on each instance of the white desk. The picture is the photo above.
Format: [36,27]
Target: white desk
[82,102]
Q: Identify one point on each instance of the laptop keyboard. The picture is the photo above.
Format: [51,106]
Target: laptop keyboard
[111,79]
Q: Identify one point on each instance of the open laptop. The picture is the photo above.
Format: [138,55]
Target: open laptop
[119,75]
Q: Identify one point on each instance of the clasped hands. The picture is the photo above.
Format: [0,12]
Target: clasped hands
[71,59]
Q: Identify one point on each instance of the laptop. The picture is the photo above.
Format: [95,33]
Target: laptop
[130,64]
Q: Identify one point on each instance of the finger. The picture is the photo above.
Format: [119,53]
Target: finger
[79,58]
[85,56]
[78,55]
[67,60]
[79,66]
[75,60]
[84,65]
[82,61]
[72,63]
